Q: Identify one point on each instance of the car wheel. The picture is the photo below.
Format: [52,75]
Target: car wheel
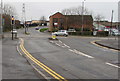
[56,34]
[65,35]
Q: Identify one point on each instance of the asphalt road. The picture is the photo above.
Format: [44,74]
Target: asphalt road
[72,57]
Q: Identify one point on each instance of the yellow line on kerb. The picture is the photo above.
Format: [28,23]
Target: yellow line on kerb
[93,42]
[47,69]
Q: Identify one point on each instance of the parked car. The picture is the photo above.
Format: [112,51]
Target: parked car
[115,32]
[71,30]
[61,33]
[36,28]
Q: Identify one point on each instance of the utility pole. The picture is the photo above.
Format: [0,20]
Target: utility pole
[111,22]
[24,17]
[1,19]
[82,16]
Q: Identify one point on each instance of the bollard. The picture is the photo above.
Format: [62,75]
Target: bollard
[54,37]
[16,35]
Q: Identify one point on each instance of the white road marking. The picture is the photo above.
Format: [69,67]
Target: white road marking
[51,41]
[112,65]
[66,45]
[63,46]
[57,44]
[71,50]
[60,41]
[80,53]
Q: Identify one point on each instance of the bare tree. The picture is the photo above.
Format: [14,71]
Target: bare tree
[42,20]
[9,10]
[75,11]
[98,18]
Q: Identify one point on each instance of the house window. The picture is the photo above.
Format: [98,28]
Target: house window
[61,20]
[55,19]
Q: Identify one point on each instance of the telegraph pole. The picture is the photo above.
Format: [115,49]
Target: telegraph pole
[82,16]
[111,22]
[24,17]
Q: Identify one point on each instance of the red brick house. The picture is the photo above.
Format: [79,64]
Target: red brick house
[59,21]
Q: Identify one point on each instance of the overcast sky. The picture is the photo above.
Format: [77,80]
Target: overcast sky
[37,8]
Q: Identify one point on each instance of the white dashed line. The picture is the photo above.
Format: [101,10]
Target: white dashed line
[112,65]
[60,41]
[66,45]
[57,44]
[71,50]
[80,53]
[51,41]
[63,46]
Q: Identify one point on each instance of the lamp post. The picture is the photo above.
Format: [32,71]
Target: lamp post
[82,15]
[1,23]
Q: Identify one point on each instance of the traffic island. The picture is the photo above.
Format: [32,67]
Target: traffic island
[53,37]
[112,44]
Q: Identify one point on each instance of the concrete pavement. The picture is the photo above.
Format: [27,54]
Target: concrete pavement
[14,66]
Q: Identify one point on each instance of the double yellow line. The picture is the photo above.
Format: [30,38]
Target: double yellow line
[44,67]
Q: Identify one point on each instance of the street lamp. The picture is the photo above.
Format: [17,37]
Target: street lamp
[82,15]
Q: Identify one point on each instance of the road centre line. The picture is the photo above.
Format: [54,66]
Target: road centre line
[47,69]
[71,50]
[112,65]
[66,45]
[57,44]
[80,53]
[60,41]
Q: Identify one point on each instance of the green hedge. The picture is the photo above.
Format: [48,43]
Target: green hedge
[84,29]
[84,33]
[89,33]
[102,33]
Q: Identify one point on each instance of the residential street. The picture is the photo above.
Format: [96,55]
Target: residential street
[59,40]
[71,57]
